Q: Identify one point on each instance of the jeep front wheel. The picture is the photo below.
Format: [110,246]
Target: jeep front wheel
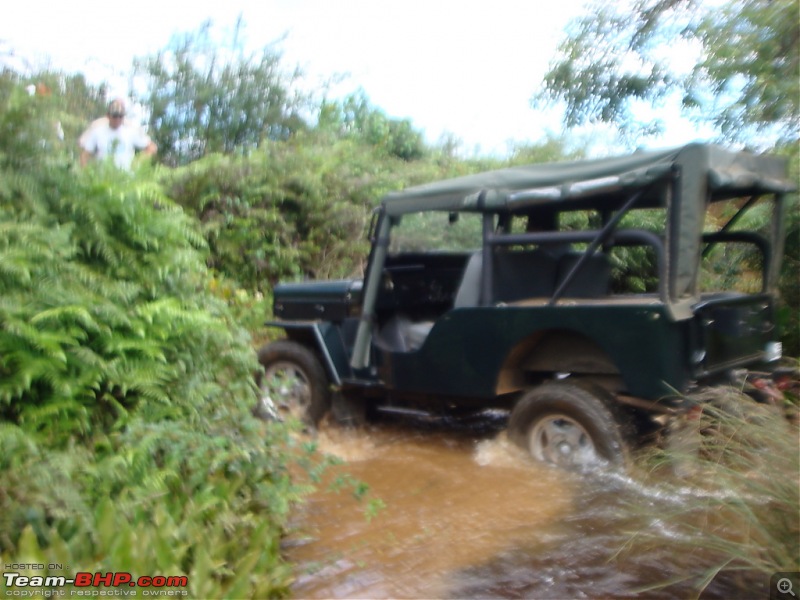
[295,381]
[568,426]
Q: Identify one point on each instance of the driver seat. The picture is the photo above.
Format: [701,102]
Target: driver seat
[401,334]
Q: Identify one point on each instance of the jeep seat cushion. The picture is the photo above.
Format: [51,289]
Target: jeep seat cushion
[400,334]
[519,275]
[469,290]
[593,280]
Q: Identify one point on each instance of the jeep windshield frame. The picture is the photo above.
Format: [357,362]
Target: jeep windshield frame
[684,181]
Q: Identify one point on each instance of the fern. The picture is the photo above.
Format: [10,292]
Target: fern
[126,439]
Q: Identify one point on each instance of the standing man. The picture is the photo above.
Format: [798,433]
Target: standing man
[111,136]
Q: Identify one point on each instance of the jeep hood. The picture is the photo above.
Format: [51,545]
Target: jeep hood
[312,300]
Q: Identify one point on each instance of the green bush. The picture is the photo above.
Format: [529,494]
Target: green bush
[126,438]
[291,209]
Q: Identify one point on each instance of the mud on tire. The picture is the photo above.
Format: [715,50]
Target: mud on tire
[568,425]
[295,380]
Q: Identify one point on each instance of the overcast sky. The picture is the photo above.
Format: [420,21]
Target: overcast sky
[463,67]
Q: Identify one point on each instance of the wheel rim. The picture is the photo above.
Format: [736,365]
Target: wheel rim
[562,441]
[287,385]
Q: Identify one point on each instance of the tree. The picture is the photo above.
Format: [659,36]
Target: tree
[77,102]
[745,80]
[66,102]
[207,96]
[356,117]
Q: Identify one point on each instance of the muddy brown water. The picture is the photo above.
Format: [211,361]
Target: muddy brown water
[468,515]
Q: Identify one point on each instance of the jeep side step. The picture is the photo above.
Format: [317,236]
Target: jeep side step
[406,412]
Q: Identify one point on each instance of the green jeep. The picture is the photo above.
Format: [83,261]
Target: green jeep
[586,298]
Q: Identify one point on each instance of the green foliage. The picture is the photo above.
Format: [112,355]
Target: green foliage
[207,95]
[100,307]
[549,149]
[291,209]
[356,118]
[299,208]
[58,108]
[247,306]
[27,127]
[752,66]
[126,439]
[745,80]
[208,500]
[77,102]
[591,74]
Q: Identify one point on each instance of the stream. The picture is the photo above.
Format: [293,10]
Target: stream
[459,512]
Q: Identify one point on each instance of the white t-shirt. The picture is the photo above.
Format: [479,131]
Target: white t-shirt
[120,143]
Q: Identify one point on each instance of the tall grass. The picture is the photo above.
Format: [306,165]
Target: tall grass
[738,487]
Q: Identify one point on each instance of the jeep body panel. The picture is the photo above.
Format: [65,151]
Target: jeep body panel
[733,331]
[330,341]
[467,349]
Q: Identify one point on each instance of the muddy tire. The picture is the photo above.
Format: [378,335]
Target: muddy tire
[295,381]
[568,426]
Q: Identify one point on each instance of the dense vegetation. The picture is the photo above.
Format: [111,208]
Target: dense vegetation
[734,505]
[126,441]
[129,301]
[126,367]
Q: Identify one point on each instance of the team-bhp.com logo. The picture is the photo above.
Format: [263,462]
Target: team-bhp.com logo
[94,584]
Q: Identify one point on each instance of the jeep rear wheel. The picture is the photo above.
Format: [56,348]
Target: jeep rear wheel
[295,381]
[568,426]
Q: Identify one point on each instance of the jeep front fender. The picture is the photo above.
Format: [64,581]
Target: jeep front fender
[323,338]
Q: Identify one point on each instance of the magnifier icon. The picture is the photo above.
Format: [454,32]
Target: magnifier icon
[785,586]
